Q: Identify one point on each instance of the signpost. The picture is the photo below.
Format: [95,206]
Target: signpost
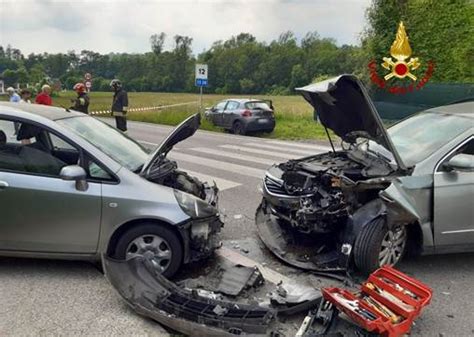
[201,80]
[88,81]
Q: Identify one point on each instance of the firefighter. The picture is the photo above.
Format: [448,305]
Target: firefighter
[119,105]
[81,103]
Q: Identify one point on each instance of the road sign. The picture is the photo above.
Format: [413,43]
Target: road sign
[201,82]
[87,76]
[201,71]
[88,85]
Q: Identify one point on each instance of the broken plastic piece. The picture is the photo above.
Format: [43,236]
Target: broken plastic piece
[237,278]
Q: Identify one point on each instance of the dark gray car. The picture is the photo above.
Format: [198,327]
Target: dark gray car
[241,116]
[408,188]
[73,187]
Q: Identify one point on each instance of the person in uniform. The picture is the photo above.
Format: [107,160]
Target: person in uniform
[119,105]
[81,102]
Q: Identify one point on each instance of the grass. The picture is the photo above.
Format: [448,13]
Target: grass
[294,116]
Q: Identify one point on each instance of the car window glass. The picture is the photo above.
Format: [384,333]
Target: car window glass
[232,105]
[257,105]
[429,131]
[60,144]
[32,154]
[11,131]
[221,105]
[96,171]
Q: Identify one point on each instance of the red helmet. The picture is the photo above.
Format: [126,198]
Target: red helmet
[79,87]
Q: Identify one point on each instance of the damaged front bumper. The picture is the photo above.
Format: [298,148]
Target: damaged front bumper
[203,237]
[198,312]
[312,253]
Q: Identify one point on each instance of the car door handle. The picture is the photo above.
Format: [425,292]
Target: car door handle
[3,185]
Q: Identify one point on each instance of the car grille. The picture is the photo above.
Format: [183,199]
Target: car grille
[274,186]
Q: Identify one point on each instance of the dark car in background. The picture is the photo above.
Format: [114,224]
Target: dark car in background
[241,116]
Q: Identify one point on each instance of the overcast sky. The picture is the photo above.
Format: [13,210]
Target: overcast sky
[125,26]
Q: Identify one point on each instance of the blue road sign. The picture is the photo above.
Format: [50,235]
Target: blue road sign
[200,82]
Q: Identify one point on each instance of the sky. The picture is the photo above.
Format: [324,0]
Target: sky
[126,25]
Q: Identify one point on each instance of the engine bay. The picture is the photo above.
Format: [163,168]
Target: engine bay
[323,190]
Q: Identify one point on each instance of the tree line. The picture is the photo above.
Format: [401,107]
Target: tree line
[438,30]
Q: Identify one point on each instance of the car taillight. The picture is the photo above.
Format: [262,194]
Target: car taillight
[246,113]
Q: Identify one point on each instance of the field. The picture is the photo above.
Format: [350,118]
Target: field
[294,116]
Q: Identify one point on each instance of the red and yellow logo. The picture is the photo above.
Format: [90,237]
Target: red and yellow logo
[400,65]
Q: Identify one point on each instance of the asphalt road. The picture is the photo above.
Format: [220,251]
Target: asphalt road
[73,298]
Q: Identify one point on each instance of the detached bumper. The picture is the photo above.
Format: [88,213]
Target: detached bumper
[152,295]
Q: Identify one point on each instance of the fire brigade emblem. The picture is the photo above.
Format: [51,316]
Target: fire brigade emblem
[400,51]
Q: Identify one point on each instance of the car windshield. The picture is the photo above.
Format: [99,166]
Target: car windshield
[257,105]
[119,147]
[417,137]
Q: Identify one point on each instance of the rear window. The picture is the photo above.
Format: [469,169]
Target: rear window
[257,105]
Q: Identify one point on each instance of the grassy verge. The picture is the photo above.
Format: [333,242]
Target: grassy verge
[294,116]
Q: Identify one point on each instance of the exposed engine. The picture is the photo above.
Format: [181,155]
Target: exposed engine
[168,174]
[320,191]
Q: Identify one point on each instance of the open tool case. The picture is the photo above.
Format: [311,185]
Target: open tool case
[404,296]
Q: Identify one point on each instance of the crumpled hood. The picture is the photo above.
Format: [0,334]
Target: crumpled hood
[186,129]
[344,106]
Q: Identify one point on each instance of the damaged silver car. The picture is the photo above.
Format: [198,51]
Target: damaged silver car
[385,192]
[86,189]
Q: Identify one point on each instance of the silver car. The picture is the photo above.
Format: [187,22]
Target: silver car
[383,193]
[73,187]
[241,116]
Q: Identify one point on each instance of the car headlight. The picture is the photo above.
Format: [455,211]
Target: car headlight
[193,206]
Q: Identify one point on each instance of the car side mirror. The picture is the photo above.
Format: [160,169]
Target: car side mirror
[461,162]
[75,173]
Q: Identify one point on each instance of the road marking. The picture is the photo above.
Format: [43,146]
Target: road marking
[279,148]
[283,155]
[147,143]
[234,155]
[222,184]
[267,273]
[304,146]
[219,165]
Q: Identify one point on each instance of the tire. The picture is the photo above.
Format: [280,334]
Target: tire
[146,238]
[238,128]
[376,245]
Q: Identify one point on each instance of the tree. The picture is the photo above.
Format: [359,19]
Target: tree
[157,41]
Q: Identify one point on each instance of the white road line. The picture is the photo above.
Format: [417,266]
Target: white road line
[315,147]
[223,184]
[283,155]
[219,165]
[237,156]
[287,149]
[147,143]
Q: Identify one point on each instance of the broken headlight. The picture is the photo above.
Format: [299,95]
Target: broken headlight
[193,206]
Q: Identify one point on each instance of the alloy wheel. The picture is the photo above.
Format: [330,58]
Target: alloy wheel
[393,246]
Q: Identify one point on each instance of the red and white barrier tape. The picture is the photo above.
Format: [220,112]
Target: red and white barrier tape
[159,107]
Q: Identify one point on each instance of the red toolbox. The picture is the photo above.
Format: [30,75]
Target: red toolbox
[403,296]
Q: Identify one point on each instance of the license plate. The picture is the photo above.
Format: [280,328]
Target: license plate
[263,121]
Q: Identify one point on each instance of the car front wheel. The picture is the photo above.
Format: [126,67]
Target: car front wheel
[378,245]
[156,242]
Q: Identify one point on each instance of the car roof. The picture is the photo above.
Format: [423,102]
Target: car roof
[245,100]
[464,109]
[45,111]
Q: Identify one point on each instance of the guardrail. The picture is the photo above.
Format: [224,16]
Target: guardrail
[158,107]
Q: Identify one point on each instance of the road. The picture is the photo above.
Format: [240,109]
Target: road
[73,298]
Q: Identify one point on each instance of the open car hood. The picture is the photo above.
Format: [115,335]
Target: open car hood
[344,106]
[186,129]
